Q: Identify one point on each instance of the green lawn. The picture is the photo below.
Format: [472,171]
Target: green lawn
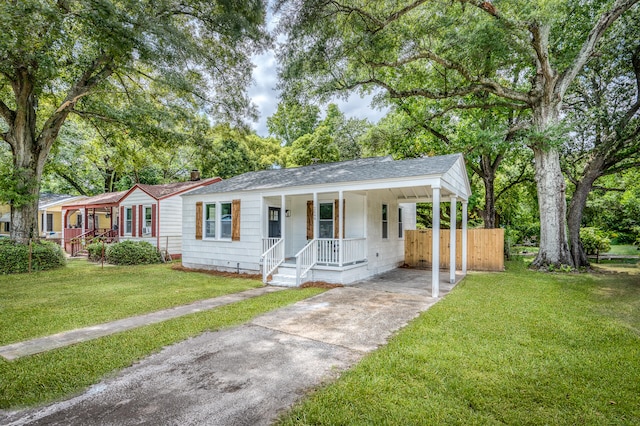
[95,295]
[83,294]
[623,250]
[518,347]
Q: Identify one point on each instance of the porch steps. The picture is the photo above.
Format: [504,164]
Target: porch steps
[286,276]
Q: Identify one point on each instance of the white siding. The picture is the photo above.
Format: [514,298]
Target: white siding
[137,198]
[243,255]
[383,254]
[170,230]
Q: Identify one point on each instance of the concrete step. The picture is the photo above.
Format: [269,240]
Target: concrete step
[289,280]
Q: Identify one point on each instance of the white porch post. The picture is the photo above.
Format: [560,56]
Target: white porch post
[464,237]
[283,216]
[435,244]
[340,222]
[316,225]
[452,241]
[44,220]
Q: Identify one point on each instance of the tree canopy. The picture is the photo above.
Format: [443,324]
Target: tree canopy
[97,58]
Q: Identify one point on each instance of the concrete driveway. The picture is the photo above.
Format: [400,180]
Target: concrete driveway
[250,374]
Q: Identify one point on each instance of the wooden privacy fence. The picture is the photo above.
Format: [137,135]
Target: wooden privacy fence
[485,249]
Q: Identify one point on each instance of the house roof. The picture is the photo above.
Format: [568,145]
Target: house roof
[49,200]
[108,198]
[367,169]
[169,189]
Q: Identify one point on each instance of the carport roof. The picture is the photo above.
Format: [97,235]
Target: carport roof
[362,170]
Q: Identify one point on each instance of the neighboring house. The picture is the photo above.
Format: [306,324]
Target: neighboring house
[336,222]
[91,216]
[49,215]
[50,221]
[5,219]
[153,213]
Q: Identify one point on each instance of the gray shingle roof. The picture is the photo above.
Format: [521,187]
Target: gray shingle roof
[366,169]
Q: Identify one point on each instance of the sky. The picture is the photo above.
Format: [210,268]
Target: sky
[264,94]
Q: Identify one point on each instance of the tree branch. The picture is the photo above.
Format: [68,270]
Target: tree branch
[540,44]
[484,83]
[7,113]
[605,21]
[98,71]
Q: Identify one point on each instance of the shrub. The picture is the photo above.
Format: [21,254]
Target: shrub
[132,253]
[594,240]
[14,257]
[95,251]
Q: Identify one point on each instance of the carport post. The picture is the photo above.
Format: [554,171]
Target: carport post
[464,237]
[435,244]
[452,241]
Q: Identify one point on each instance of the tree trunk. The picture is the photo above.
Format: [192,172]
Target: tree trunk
[592,171]
[489,177]
[29,156]
[554,247]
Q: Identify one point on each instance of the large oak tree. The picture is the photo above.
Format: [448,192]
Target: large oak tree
[60,57]
[520,53]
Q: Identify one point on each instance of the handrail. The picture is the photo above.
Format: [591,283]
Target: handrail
[79,242]
[272,258]
[305,260]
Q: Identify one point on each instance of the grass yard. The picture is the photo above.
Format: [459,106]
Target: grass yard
[62,372]
[623,250]
[83,294]
[518,347]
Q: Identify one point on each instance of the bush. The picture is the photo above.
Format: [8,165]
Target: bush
[95,251]
[594,240]
[132,253]
[14,257]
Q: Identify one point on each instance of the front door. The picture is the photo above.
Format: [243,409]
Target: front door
[274,222]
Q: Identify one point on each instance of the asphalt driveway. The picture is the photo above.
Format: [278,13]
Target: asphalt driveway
[248,375]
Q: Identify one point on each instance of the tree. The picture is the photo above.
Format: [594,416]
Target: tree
[336,138]
[486,137]
[293,119]
[603,109]
[62,57]
[519,54]
[226,151]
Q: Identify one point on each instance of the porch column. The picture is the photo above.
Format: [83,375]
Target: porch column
[44,220]
[452,241]
[283,216]
[316,225]
[340,222]
[435,244]
[464,236]
[85,226]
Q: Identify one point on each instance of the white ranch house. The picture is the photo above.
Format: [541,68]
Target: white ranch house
[337,222]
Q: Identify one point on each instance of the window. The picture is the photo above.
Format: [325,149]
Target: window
[147,220]
[326,220]
[128,220]
[79,221]
[385,222]
[400,222]
[7,227]
[210,221]
[49,219]
[225,220]
[214,213]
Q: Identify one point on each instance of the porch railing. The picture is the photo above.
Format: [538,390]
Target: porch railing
[267,243]
[272,258]
[305,260]
[353,250]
